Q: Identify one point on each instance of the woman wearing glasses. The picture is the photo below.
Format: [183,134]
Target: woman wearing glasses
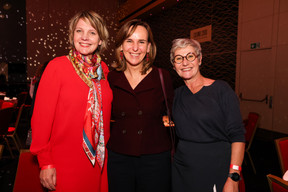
[209,126]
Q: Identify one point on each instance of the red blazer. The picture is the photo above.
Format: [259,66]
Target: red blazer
[138,127]
[57,127]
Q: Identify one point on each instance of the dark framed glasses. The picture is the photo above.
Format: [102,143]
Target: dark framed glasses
[189,57]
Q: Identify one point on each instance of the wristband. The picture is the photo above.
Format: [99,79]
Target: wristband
[235,167]
[47,167]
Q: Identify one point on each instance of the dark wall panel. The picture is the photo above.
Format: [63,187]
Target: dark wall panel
[219,55]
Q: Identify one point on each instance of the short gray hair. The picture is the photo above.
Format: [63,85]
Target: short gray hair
[183,43]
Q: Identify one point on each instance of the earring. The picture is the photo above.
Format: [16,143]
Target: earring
[147,57]
[121,55]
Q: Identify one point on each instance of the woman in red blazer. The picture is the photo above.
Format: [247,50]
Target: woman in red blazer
[139,145]
[71,117]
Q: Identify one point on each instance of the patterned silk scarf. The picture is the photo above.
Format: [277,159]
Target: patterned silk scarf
[90,71]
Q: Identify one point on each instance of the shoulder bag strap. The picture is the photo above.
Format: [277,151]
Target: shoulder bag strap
[171,128]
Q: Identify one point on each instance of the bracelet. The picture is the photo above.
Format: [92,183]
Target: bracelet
[235,167]
[47,167]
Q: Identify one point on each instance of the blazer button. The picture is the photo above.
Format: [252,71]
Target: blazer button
[140,112]
[124,131]
[139,132]
[123,114]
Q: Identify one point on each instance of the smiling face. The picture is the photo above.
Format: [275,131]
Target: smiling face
[136,46]
[187,70]
[86,39]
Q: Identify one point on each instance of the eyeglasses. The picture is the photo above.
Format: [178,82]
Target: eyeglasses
[189,57]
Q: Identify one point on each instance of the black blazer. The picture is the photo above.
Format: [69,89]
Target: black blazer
[137,127]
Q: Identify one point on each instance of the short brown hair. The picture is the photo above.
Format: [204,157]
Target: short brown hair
[96,22]
[123,34]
